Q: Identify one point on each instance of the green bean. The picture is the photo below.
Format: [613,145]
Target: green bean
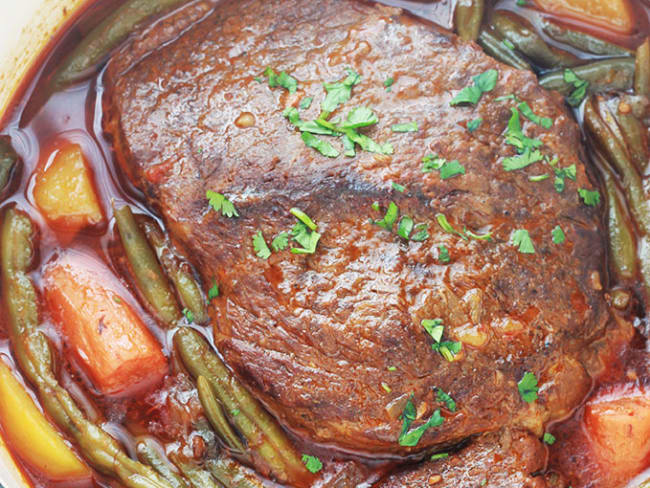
[107,35]
[35,357]
[178,271]
[616,74]
[149,454]
[215,415]
[8,161]
[263,435]
[633,134]
[523,36]
[495,48]
[149,276]
[232,474]
[468,17]
[582,41]
[644,259]
[622,244]
[642,73]
[598,124]
[199,478]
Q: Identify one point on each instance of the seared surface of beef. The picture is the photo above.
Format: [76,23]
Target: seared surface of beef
[497,460]
[315,336]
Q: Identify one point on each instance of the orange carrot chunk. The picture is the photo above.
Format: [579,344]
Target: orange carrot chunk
[618,424]
[614,15]
[107,338]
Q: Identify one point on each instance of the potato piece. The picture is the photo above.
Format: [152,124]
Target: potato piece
[614,15]
[108,339]
[64,191]
[32,437]
[618,424]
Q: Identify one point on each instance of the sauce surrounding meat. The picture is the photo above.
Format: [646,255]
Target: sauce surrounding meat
[40,125]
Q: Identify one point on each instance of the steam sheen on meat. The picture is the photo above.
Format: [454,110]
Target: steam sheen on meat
[315,336]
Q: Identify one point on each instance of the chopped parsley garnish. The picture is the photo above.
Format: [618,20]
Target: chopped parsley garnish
[521,161]
[446,398]
[521,239]
[483,83]
[503,98]
[307,238]
[220,203]
[479,237]
[421,233]
[360,117]
[527,112]
[188,315]
[537,178]
[440,455]
[579,87]
[508,44]
[386,388]
[260,246]
[443,254]
[406,228]
[283,80]
[397,187]
[528,387]
[591,198]
[280,242]
[389,83]
[339,92]
[434,328]
[411,438]
[527,153]
[447,227]
[521,3]
[312,127]
[235,411]
[305,103]
[389,218]
[392,368]
[448,349]
[321,145]
[558,235]
[548,438]
[213,292]
[312,463]
[472,125]
[303,217]
[447,169]
[560,176]
[405,127]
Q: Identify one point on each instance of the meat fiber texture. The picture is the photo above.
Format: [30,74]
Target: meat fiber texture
[315,336]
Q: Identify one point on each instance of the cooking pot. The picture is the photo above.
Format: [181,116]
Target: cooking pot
[26,27]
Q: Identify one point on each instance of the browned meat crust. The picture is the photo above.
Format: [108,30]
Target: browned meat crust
[314,336]
[500,460]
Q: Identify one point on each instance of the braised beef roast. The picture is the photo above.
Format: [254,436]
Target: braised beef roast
[332,341]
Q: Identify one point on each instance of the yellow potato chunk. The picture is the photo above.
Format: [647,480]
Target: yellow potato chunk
[31,436]
[64,191]
[615,15]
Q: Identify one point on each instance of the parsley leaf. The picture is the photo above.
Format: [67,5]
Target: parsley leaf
[528,387]
[188,315]
[434,328]
[478,237]
[472,125]
[411,438]
[421,233]
[590,197]
[312,463]
[405,127]
[292,114]
[521,238]
[450,169]
[446,226]
[558,235]
[322,146]
[579,87]
[213,292]
[405,227]
[283,80]
[525,146]
[340,92]
[561,174]
[527,112]
[507,43]
[432,162]
[304,235]
[548,438]
[303,217]
[280,242]
[483,83]
[536,178]
[448,349]
[397,187]
[440,455]
[360,117]
[389,218]
[220,203]
[260,247]
[367,144]
[305,103]
[446,398]
[348,146]
[389,83]
[521,161]
[443,254]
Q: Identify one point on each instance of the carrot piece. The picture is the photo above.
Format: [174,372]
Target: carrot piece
[32,437]
[64,192]
[618,424]
[108,339]
[615,15]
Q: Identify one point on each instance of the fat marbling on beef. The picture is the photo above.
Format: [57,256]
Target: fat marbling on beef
[316,336]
